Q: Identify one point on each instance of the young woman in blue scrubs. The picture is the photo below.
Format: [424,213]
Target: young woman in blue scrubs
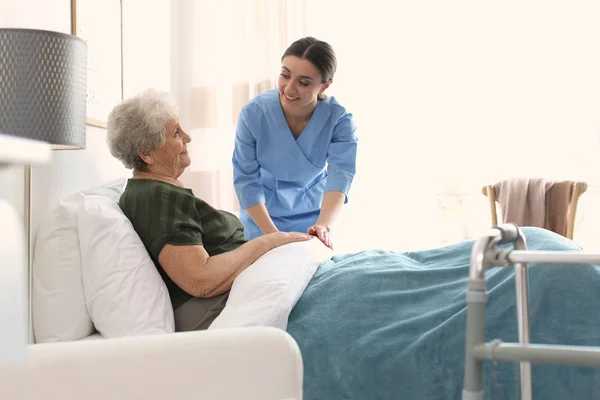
[295,149]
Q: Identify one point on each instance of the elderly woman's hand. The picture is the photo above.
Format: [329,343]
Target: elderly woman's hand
[322,232]
[281,238]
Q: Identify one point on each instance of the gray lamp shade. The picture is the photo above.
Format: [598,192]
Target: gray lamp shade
[43,77]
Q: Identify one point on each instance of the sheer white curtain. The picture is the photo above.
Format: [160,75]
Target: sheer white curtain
[449,96]
[223,54]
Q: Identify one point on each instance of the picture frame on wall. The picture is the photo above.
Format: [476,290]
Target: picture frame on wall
[100,24]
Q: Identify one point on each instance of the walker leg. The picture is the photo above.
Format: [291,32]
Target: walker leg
[523,317]
[476,301]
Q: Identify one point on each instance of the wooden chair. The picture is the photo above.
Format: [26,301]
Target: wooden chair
[577,189]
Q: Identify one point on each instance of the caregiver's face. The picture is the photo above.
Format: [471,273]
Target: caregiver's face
[299,84]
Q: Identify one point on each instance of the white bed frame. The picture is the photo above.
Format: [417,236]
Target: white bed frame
[486,254]
[265,363]
[228,364]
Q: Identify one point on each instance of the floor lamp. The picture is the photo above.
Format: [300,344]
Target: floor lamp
[43,87]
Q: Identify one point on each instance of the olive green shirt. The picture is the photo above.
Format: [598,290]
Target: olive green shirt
[162,213]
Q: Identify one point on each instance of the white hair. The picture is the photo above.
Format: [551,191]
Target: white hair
[138,125]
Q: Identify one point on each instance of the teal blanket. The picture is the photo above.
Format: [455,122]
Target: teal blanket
[389,325]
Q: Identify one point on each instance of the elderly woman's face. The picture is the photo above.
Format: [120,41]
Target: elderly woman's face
[172,158]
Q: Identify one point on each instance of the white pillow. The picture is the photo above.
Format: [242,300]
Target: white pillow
[58,306]
[266,292]
[124,293]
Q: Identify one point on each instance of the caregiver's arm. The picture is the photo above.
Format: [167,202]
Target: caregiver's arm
[341,160]
[247,178]
[200,275]
[261,217]
[331,206]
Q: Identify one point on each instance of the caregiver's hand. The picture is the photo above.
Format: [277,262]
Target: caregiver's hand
[322,232]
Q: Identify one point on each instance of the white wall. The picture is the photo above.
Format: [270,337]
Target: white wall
[451,95]
[147,45]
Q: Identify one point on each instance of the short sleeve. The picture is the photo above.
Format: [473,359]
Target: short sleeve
[247,179]
[172,219]
[341,156]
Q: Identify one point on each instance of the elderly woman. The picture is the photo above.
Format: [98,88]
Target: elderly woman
[197,249]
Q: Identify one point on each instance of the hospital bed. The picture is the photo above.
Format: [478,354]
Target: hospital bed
[374,324]
[487,252]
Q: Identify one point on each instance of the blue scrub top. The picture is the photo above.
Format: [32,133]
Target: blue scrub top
[290,176]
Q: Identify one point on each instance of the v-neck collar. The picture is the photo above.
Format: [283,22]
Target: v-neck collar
[314,116]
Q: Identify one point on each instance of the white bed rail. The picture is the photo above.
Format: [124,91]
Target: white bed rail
[485,254]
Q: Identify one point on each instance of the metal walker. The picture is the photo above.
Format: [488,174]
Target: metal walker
[486,254]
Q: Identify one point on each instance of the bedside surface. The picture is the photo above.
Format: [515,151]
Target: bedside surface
[15,150]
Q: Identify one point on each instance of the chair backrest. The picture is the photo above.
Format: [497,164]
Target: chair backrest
[577,189]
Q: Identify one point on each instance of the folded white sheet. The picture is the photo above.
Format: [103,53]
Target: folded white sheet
[267,291]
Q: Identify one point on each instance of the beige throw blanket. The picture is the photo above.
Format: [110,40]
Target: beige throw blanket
[535,202]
